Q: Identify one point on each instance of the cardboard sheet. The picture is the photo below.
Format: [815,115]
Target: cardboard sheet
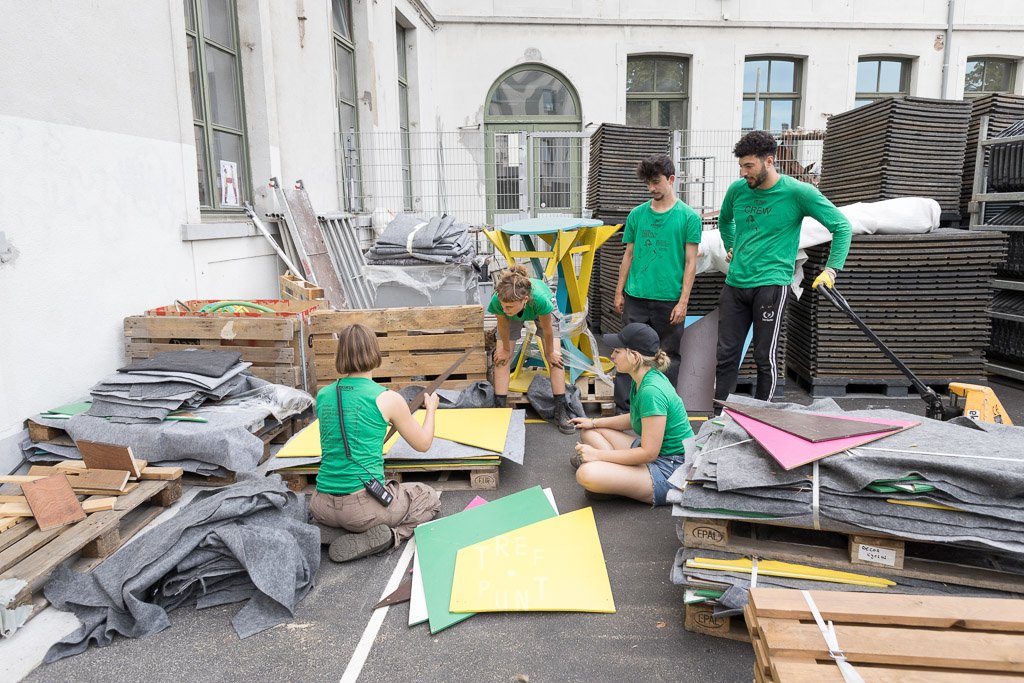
[810,426]
[439,542]
[791,451]
[555,565]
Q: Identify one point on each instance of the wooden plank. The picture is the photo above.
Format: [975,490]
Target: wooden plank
[229,327]
[35,568]
[108,456]
[408,365]
[385,319]
[934,611]
[145,473]
[290,376]
[976,651]
[8,523]
[877,552]
[812,427]
[807,670]
[51,501]
[24,509]
[40,433]
[260,355]
[328,346]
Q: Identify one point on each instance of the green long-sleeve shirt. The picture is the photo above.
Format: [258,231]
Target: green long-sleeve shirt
[762,227]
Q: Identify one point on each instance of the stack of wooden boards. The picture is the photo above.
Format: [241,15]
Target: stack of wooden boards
[75,509]
[513,554]
[926,296]
[884,638]
[613,190]
[876,152]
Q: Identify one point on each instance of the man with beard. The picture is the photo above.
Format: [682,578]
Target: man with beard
[657,270]
[760,224]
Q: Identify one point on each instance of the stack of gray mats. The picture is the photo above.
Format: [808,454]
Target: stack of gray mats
[222,441]
[248,542]
[148,390]
[974,467]
[415,240]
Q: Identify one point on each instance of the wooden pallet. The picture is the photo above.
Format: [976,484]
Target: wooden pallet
[28,554]
[468,478]
[854,552]
[837,387]
[275,343]
[416,344]
[886,638]
[701,619]
[596,396]
[297,289]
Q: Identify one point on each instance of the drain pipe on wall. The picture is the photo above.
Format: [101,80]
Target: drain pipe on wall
[946,47]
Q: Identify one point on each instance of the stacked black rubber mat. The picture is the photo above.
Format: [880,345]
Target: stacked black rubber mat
[1002,110]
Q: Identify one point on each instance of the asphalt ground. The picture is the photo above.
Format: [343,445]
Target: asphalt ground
[643,641]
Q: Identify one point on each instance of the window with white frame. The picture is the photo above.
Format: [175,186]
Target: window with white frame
[401,39]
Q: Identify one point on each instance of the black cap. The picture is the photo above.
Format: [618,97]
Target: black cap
[636,337]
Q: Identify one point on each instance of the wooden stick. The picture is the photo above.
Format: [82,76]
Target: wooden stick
[417,400]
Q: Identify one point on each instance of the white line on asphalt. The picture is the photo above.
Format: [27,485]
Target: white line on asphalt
[355,664]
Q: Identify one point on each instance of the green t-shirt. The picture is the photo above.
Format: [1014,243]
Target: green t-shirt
[655,396]
[762,227]
[365,428]
[537,305]
[659,250]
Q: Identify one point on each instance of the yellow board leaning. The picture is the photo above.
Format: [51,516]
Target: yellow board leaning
[555,565]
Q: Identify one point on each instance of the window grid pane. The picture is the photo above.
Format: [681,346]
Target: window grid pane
[341,14]
[776,92]
[532,93]
[218,22]
[222,88]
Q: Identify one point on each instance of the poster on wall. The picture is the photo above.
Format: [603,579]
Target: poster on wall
[229,184]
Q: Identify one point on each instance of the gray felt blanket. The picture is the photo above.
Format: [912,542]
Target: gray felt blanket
[247,542]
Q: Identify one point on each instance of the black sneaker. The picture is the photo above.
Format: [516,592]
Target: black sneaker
[575,460]
[354,546]
[561,417]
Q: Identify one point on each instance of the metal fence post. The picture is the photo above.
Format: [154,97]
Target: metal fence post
[524,173]
[352,165]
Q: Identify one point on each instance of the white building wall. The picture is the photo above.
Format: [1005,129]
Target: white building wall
[97,158]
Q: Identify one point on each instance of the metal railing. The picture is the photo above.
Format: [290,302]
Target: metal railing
[489,177]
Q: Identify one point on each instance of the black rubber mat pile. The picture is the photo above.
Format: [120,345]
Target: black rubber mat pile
[1002,110]
[897,147]
[612,191]
[926,296]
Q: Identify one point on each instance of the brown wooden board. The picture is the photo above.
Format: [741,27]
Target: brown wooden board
[810,427]
[107,456]
[52,501]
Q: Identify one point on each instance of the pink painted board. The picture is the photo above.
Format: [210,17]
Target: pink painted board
[475,503]
[791,451]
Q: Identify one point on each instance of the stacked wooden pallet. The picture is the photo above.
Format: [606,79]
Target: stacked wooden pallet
[36,538]
[876,152]
[274,342]
[1002,109]
[884,557]
[926,296]
[885,638]
[417,344]
[612,191]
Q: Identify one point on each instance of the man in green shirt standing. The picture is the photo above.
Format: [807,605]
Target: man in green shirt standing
[657,270]
[760,224]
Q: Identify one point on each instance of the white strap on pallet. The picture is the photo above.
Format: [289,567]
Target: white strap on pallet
[815,496]
[722,448]
[412,236]
[753,572]
[828,632]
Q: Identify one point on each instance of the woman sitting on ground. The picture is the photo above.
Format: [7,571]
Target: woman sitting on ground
[613,462]
[343,503]
[519,297]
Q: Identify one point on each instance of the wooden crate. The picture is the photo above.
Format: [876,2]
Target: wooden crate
[886,638]
[417,344]
[596,396]
[854,552]
[31,555]
[275,343]
[297,289]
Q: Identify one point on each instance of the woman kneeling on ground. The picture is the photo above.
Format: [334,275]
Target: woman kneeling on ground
[613,462]
[518,297]
[352,520]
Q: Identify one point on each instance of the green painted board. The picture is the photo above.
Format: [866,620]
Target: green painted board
[71,408]
[438,543]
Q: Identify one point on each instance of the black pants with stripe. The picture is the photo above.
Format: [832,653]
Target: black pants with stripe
[656,314]
[737,309]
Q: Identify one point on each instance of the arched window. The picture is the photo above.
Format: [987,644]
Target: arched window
[533,120]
